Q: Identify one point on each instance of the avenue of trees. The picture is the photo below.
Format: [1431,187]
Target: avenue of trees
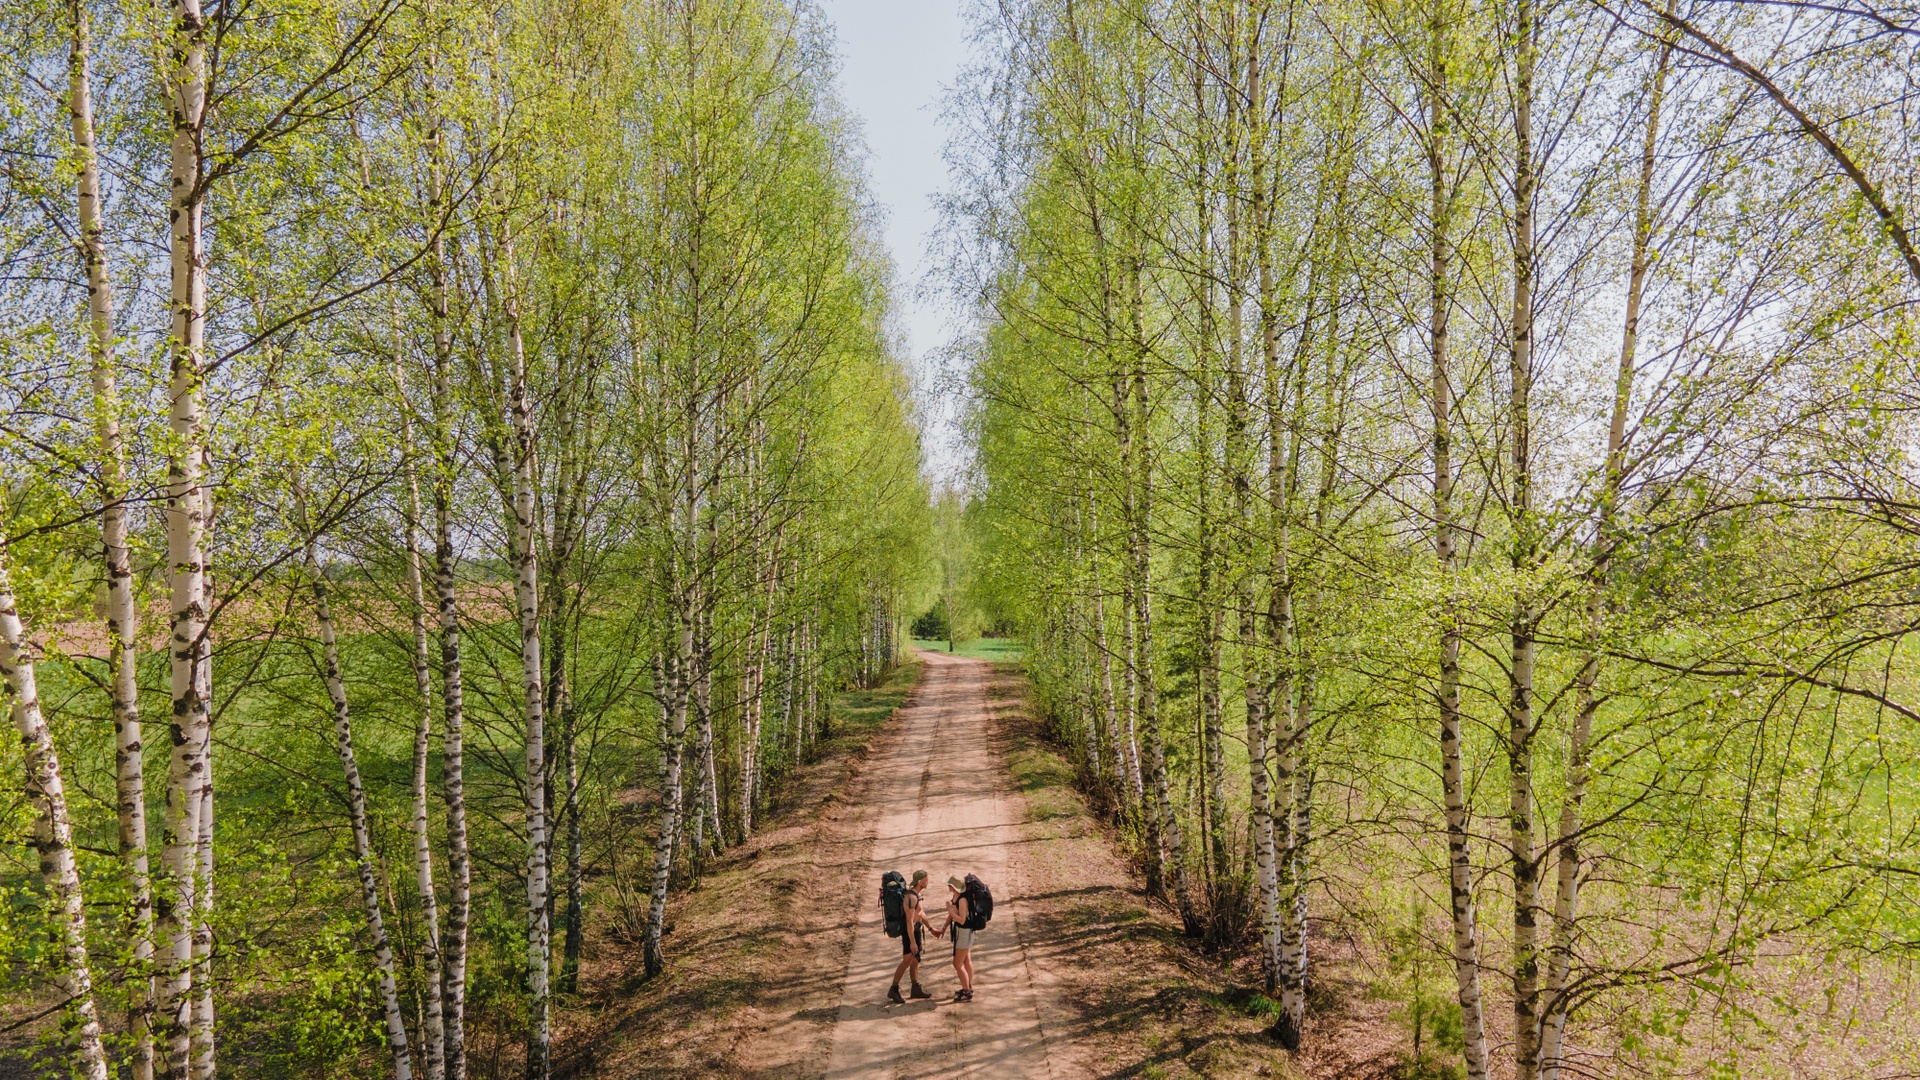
[1451,464]
[450,454]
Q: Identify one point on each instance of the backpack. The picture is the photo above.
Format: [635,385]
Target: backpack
[893,892]
[979,904]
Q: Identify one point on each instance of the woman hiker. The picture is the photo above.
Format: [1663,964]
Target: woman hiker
[957,914]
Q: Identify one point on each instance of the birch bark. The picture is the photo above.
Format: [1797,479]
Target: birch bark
[1142,811]
[1283,385]
[709,788]
[1168,847]
[1257,675]
[789,670]
[1466,947]
[522,530]
[356,801]
[673,719]
[433,1021]
[575,436]
[453,987]
[122,615]
[761,657]
[54,838]
[1567,839]
[575,915]
[204,1067]
[1520,667]
[1218,554]
[176,900]
[1116,778]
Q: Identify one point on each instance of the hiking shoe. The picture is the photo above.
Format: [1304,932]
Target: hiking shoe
[966,995]
[918,991]
[893,995]
[959,995]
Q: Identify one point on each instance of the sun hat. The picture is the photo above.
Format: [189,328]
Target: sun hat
[957,883]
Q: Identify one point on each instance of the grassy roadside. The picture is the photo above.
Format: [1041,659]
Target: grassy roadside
[1133,1000]
[732,1001]
[1136,999]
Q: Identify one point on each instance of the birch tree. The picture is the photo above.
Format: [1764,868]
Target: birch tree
[47,790]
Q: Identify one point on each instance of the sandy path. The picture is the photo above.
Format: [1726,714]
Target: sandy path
[942,802]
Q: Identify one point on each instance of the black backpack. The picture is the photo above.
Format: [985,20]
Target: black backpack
[979,904]
[893,893]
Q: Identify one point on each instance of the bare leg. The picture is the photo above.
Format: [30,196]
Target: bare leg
[910,965]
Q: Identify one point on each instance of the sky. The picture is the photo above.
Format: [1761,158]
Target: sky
[896,59]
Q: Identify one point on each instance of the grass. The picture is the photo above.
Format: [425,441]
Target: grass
[861,712]
[1139,999]
[1000,650]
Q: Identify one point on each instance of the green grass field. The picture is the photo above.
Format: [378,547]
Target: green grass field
[1000,650]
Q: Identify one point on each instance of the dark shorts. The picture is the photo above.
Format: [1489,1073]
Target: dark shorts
[914,942]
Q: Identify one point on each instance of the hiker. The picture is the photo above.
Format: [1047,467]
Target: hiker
[959,912]
[913,941]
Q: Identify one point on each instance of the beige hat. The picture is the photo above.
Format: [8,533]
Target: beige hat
[918,877]
[957,883]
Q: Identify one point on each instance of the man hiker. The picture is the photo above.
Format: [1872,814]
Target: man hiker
[913,941]
[958,912]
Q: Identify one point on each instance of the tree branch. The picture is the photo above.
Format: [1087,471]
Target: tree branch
[1870,191]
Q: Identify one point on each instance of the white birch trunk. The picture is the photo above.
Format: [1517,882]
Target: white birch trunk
[1294,902]
[673,721]
[1129,701]
[433,1033]
[1525,861]
[453,979]
[575,916]
[1466,946]
[708,814]
[526,591]
[1109,708]
[1266,879]
[1085,692]
[54,837]
[755,705]
[789,691]
[356,805]
[122,615]
[1174,856]
[187,772]
[1284,439]
[1566,899]
[204,1067]
[816,721]
[750,721]
[1289,943]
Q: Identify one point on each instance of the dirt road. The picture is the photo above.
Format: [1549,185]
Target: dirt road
[943,803]
[779,964]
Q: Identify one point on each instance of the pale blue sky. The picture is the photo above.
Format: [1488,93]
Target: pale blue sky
[896,58]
